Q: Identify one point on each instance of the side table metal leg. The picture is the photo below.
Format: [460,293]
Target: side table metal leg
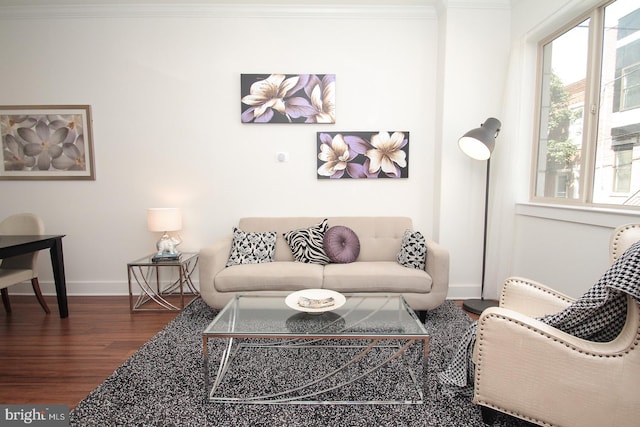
[149,293]
[205,365]
[188,271]
[130,288]
[181,278]
[425,368]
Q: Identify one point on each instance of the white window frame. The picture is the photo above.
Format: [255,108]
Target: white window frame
[590,115]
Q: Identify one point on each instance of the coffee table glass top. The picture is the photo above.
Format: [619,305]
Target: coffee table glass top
[362,315]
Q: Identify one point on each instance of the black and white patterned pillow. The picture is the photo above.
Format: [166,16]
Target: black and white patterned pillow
[413,251]
[251,247]
[307,244]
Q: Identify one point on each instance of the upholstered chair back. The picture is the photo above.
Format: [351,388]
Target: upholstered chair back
[621,239]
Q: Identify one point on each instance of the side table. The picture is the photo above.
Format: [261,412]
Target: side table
[156,291]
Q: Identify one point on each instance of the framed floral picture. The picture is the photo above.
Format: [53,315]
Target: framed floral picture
[46,142]
[378,154]
[288,98]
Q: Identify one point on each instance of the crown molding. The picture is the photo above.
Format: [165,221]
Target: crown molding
[207,11]
[476,4]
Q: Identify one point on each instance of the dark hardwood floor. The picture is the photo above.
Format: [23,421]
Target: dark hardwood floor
[48,360]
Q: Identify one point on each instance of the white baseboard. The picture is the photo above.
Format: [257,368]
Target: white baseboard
[79,288]
[463,291]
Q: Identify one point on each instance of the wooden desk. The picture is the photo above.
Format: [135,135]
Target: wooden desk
[12,245]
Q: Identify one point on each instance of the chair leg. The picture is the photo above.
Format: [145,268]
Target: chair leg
[5,300]
[36,289]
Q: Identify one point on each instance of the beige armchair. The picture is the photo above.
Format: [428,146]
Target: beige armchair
[21,268]
[535,372]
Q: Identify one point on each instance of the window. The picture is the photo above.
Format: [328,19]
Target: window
[622,175]
[630,91]
[588,141]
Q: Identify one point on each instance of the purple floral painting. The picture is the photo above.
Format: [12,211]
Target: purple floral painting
[46,142]
[288,98]
[377,154]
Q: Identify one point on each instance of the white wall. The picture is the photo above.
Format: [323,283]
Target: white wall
[164,86]
[474,39]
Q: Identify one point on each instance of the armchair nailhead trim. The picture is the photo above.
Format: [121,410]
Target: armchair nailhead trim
[616,239]
[566,344]
[533,285]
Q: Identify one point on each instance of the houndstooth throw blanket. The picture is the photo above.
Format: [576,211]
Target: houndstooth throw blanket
[598,315]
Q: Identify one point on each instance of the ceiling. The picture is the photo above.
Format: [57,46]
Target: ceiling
[225,2]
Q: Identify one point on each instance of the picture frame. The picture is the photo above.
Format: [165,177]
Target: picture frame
[363,155]
[46,142]
[288,98]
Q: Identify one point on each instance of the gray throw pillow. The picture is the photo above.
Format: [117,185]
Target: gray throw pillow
[413,251]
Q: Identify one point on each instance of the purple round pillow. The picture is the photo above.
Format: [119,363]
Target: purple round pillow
[341,244]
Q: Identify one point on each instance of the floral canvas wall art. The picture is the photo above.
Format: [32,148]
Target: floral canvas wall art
[378,154]
[288,98]
[46,142]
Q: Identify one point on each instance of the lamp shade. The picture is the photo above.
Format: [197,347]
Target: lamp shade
[478,143]
[164,219]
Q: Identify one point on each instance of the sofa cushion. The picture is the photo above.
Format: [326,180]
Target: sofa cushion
[307,243]
[341,244]
[251,247]
[375,276]
[413,251]
[274,276]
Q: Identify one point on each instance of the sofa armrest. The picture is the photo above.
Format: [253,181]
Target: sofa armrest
[437,265]
[212,259]
[532,298]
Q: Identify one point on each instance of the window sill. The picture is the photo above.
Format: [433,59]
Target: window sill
[578,214]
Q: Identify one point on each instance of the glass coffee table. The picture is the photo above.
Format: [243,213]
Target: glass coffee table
[372,349]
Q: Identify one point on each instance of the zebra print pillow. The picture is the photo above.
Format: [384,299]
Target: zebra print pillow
[251,247]
[413,251]
[307,244]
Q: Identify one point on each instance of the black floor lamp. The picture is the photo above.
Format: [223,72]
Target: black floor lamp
[478,144]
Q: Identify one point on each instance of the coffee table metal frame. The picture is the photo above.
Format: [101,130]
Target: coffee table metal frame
[399,342]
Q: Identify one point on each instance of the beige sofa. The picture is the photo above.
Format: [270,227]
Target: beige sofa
[375,270]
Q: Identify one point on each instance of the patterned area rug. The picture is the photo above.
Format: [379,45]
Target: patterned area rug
[162,385]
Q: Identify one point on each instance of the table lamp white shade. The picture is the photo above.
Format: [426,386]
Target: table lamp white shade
[164,219]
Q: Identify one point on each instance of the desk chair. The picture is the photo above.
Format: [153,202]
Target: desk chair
[21,268]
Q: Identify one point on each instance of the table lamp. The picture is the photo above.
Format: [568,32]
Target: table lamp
[165,220]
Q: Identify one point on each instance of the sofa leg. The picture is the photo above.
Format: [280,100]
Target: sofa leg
[422,315]
[489,415]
